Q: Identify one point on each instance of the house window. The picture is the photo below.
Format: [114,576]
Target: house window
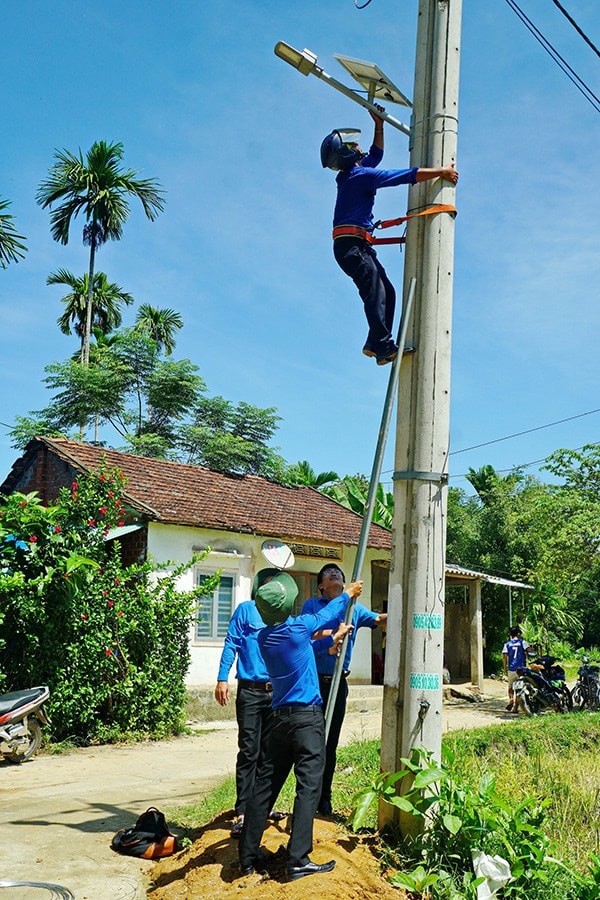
[215,610]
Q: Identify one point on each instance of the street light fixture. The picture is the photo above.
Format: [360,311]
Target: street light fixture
[305,61]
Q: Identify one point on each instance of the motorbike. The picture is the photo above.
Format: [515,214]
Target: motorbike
[22,715]
[586,692]
[542,687]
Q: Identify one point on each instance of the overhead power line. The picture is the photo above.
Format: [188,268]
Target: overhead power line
[507,437]
[576,26]
[581,86]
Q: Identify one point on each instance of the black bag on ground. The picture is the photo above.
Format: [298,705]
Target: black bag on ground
[150,838]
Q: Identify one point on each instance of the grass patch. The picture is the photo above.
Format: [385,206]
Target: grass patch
[553,758]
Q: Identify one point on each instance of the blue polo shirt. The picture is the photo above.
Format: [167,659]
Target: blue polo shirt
[356,188]
[360,616]
[287,651]
[242,639]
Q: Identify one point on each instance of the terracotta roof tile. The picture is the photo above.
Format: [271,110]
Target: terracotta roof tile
[178,494]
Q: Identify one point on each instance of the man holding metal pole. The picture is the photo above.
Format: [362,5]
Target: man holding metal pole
[331,584]
[298,735]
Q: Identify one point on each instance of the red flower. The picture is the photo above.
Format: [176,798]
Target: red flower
[117,580]
[84,616]
[108,651]
[103,478]
[102,510]
[57,529]
[33,539]
[110,604]
[91,522]
[105,593]
[23,503]
[121,523]
[74,486]
[111,494]
[119,614]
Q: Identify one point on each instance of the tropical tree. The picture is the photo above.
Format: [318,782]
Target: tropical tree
[160,325]
[107,299]
[303,473]
[353,492]
[98,188]
[12,248]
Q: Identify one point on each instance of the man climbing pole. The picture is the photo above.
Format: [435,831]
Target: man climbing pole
[358,180]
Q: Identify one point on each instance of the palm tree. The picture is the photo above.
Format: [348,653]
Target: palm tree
[107,299]
[98,188]
[12,248]
[160,325]
[303,473]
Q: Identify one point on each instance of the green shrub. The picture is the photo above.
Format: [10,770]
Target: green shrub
[110,641]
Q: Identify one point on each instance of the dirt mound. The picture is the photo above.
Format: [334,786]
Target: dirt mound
[208,869]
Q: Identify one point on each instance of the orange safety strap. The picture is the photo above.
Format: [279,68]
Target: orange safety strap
[430,211]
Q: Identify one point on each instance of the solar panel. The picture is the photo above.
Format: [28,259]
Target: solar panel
[373,80]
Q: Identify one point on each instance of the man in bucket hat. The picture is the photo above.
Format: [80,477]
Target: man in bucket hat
[298,735]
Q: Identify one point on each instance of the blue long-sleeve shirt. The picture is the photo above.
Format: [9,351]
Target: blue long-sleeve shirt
[287,651]
[356,188]
[242,640]
[360,616]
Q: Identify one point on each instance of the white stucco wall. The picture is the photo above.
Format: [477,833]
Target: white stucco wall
[239,555]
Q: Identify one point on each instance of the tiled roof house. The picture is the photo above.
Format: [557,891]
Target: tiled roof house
[175,510]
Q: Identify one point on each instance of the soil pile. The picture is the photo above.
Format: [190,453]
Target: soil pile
[209,868]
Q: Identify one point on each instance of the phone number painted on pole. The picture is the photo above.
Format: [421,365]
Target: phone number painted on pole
[427,621]
[424,681]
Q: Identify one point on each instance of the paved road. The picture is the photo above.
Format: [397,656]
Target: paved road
[58,813]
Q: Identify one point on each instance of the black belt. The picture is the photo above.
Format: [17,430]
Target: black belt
[296,707]
[329,678]
[256,685]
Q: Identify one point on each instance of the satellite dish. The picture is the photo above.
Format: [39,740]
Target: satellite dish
[277,554]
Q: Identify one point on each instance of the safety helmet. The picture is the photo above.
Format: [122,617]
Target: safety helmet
[336,153]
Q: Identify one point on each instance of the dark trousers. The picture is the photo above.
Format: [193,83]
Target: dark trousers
[298,740]
[255,722]
[335,728]
[358,260]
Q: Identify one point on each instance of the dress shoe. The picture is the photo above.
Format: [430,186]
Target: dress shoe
[259,864]
[325,808]
[309,868]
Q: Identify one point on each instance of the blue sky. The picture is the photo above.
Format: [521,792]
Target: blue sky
[200,102]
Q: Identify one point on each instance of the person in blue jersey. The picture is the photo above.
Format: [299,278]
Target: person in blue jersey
[514,656]
[331,583]
[298,735]
[252,703]
[358,180]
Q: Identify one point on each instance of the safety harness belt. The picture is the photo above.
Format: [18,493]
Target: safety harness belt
[355,230]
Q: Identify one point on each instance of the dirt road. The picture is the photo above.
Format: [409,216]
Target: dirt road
[58,813]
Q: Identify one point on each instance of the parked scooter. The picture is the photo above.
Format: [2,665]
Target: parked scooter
[21,717]
[542,687]
[586,692]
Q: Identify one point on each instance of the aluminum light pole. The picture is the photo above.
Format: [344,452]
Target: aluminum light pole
[412,701]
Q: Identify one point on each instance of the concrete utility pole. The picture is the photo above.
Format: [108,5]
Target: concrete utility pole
[412,700]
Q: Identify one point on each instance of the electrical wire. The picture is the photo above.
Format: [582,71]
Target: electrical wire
[576,26]
[581,86]
[527,431]
[363,5]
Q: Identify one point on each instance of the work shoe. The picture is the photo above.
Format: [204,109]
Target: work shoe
[368,351]
[324,808]
[387,358]
[309,868]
